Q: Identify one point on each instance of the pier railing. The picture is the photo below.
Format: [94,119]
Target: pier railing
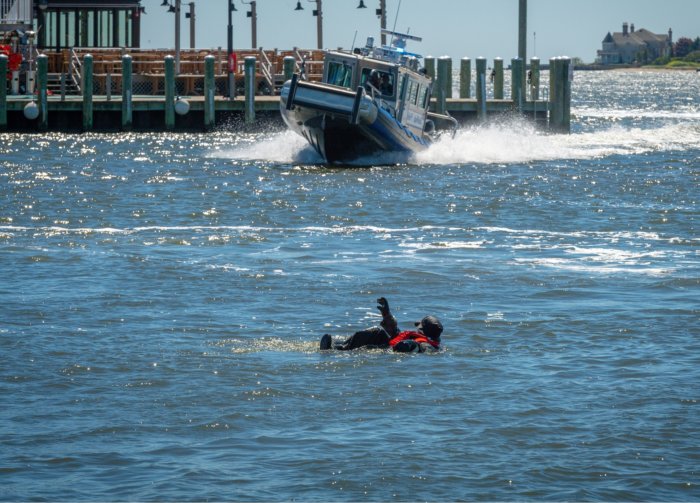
[149,69]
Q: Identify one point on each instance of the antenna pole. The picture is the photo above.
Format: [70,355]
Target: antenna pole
[398,9]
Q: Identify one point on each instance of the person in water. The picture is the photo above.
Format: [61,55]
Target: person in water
[426,336]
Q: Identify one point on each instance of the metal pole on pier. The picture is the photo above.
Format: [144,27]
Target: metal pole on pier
[522,40]
[229,53]
[178,4]
[535,79]
[319,22]
[192,17]
[253,15]
[522,30]
[381,12]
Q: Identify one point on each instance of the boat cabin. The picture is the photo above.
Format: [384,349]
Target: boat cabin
[399,89]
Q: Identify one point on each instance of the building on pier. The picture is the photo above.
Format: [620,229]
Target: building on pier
[61,24]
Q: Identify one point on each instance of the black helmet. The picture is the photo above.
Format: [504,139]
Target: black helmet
[430,326]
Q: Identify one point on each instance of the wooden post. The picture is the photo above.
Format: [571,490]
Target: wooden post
[481,88]
[430,72]
[516,92]
[209,87]
[448,81]
[498,79]
[108,86]
[250,89]
[443,83]
[565,97]
[289,64]
[169,93]
[3,92]
[554,109]
[87,92]
[127,108]
[535,79]
[42,66]
[465,78]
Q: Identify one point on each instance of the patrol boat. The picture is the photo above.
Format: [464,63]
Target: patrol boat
[371,100]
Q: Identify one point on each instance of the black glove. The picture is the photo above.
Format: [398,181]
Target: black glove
[408,346]
[383,306]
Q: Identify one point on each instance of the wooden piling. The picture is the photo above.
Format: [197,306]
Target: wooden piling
[87,92]
[42,65]
[444,83]
[554,108]
[534,79]
[517,74]
[209,88]
[3,93]
[250,88]
[498,79]
[465,78]
[169,93]
[481,88]
[448,81]
[430,72]
[127,88]
[565,96]
[289,65]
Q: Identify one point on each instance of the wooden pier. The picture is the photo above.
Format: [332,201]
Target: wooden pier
[139,91]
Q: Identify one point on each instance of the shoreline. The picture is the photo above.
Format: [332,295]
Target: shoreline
[594,68]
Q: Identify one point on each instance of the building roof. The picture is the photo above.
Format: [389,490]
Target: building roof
[637,37]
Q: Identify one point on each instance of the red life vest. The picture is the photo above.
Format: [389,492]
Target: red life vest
[416,336]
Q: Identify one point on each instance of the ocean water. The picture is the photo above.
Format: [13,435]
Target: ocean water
[162,297]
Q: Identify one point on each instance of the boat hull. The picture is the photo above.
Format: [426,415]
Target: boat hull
[343,126]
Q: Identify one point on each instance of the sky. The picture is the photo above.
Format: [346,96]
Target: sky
[456,28]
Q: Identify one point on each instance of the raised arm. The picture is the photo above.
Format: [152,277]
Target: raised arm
[388,321]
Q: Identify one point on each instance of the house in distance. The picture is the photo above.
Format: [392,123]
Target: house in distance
[634,46]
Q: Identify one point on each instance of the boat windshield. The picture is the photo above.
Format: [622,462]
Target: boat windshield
[380,80]
[339,74]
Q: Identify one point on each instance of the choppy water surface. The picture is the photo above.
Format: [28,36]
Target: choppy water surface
[162,297]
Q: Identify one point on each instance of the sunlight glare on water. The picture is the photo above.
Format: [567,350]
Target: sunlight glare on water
[162,297]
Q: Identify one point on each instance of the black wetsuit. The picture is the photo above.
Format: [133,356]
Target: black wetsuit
[380,337]
[375,337]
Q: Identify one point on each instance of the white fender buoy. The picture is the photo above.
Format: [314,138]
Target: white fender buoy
[31,110]
[182,107]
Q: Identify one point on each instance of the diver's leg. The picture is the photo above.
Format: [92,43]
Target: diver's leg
[375,337]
